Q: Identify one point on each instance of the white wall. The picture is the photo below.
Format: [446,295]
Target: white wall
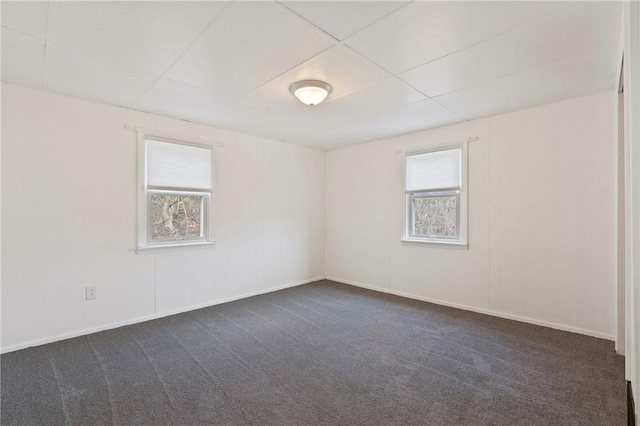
[69,219]
[542,217]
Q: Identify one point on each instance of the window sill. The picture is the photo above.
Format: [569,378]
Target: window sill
[449,244]
[170,247]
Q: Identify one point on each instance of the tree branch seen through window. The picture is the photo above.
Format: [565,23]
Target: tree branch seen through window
[175,216]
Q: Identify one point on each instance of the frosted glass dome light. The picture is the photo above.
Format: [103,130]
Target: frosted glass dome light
[310,92]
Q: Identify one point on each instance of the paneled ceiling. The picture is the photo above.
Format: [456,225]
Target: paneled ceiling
[395,67]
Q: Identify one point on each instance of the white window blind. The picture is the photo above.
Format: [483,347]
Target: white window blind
[174,165]
[433,170]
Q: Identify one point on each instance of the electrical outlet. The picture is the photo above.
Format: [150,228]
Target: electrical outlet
[91,293]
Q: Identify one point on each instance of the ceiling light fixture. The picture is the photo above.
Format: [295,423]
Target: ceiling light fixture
[310,92]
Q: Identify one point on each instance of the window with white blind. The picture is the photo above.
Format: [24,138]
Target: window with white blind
[176,186]
[436,195]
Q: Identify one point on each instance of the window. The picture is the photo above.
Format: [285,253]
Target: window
[174,205]
[436,195]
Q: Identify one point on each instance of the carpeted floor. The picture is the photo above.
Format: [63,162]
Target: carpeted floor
[321,353]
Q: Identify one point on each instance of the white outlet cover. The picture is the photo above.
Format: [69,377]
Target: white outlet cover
[91,293]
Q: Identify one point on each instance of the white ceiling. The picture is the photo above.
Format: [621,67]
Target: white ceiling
[395,67]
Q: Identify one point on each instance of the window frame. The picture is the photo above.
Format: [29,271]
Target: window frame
[145,192]
[461,239]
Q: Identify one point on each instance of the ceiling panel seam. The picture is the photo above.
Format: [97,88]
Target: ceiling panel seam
[215,18]
[487,39]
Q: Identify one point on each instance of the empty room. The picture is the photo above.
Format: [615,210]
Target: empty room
[320,213]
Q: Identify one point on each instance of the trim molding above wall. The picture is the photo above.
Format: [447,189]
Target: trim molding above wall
[92,330]
[480,310]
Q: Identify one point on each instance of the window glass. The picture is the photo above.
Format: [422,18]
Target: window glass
[435,217]
[176,216]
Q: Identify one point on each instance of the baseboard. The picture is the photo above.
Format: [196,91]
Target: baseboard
[110,326]
[479,310]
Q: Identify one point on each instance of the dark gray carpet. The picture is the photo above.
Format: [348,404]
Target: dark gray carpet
[322,353]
